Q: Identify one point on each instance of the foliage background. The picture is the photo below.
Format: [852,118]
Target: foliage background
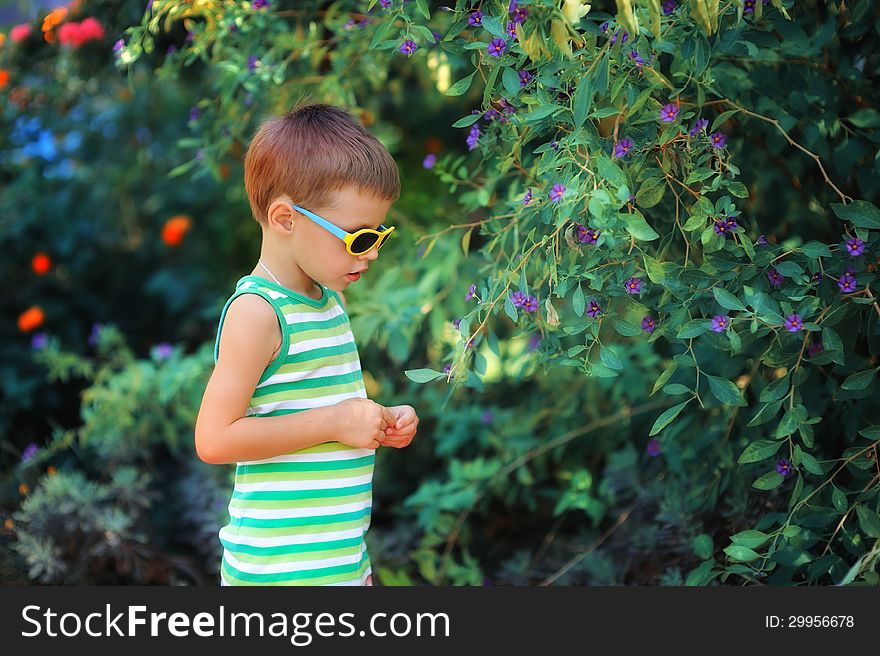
[539,459]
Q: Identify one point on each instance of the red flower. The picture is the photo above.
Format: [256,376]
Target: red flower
[175,228]
[41,263]
[20,32]
[4,77]
[76,34]
[31,318]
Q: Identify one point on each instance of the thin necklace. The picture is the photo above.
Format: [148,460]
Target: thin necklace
[270,273]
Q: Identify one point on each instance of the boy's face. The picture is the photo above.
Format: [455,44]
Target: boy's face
[320,254]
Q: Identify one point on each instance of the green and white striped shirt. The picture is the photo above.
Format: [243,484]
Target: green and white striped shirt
[300,518]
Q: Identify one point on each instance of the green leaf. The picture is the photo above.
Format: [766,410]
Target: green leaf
[667,417]
[727,300]
[610,172]
[738,552]
[465,121]
[510,309]
[766,413]
[703,546]
[541,112]
[721,118]
[860,213]
[423,375]
[815,249]
[650,193]
[583,98]
[768,481]
[578,301]
[665,376]
[458,89]
[510,80]
[626,328]
[694,328]
[638,227]
[751,538]
[859,381]
[868,521]
[610,358]
[759,450]
[838,498]
[775,390]
[811,464]
[381,32]
[422,6]
[726,391]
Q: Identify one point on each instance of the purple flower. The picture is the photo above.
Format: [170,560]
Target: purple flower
[762,241]
[668,112]
[119,45]
[648,324]
[39,341]
[408,47]
[653,447]
[668,7]
[817,277]
[163,351]
[557,192]
[730,222]
[527,197]
[429,161]
[350,24]
[855,246]
[447,368]
[194,114]
[518,298]
[491,114]
[604,27]
[784,466]
[487,417]
[471,293]
[259,4]
[171,49]
[476,18]
[622,39]
[233,28]
[506,107]
[720,323]
[718,139]
[721,227]
[554,144]
[200,154]
[699,124]
[511,31]
[189,37]
[496,47]
[534,341]
[530,304]
[585,235]
[248,99]
[847,283]
[774,277]
[633,286]
[29,452]
[95,335]
[814,348]
[748,6]
[524,78]
[794,323]
[633,54]
[519,13]
[385,3]
[473,137]
[456,323]
[593,309]
[622,147]
[252,62]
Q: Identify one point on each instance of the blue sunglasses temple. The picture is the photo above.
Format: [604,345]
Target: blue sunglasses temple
[339,232]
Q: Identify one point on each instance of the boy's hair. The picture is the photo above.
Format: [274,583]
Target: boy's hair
[309,153]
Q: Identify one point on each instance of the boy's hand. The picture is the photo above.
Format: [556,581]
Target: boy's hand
[402,426]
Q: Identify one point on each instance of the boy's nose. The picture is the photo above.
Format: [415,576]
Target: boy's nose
[371,254]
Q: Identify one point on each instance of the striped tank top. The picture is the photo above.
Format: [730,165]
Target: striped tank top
[300,518]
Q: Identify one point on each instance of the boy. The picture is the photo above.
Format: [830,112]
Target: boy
[286,400]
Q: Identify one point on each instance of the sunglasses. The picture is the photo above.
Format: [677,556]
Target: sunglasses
[356,243]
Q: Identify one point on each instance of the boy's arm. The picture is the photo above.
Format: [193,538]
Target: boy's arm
[222,433]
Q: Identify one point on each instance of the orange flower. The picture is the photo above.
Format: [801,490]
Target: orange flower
[31,318]
[51,21]
[4,77]
[8,524]
[41,263]
[51,470]
[224,171]
[23,489]
[2,39]
[175,228]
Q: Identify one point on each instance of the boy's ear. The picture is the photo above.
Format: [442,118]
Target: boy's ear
[281,213]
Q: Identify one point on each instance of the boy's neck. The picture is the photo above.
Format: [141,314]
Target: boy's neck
[296,281]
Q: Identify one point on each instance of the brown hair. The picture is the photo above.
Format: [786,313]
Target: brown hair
[311,152]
